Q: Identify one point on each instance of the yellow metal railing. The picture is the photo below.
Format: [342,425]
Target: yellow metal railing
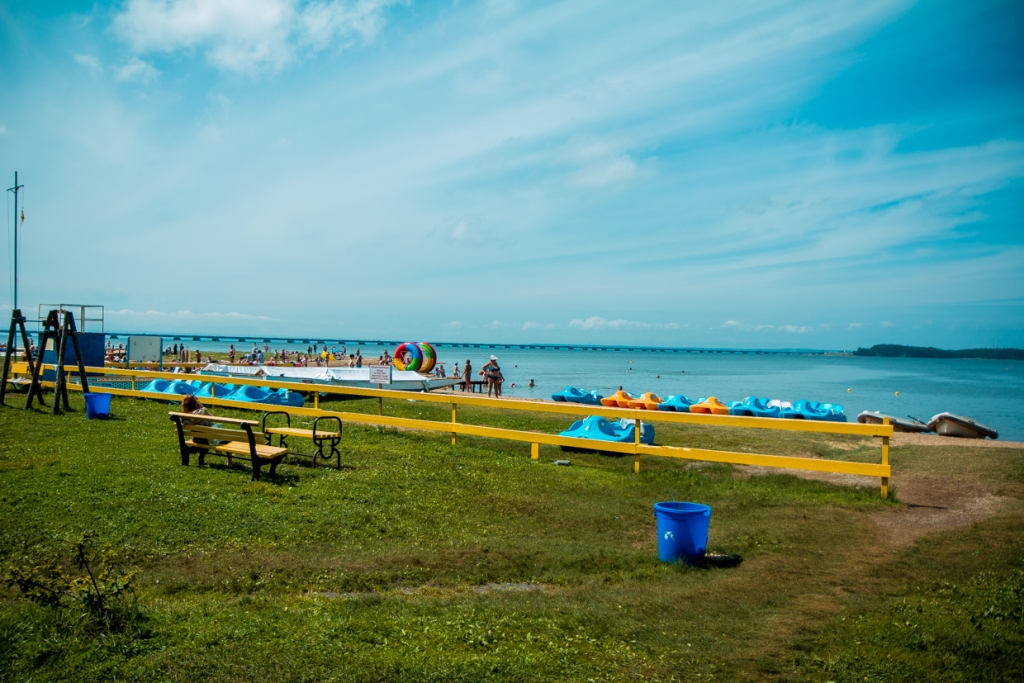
[882,431]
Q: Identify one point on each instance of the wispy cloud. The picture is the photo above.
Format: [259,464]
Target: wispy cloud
[137,71]
[188,315]
[89,61]
[599,323]
[746,327]
[251,35]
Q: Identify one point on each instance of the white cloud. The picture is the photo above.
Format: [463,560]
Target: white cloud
[495,325]
[467,231]
[746,327]
[530,325]
[188,315]
[599,162]
[456,324]
[599,323]
[247,35]
[89,61]
[3,130]
[137,71]
[853,326]
[887,324]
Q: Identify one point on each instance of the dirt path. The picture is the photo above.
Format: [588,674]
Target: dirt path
[931,502]
[937,503]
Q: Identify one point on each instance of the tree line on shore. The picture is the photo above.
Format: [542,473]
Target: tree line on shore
[900,351]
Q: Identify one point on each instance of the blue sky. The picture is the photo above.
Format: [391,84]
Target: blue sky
[770,174]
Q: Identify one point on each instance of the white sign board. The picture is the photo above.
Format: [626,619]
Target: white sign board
[145,349]
[380,374]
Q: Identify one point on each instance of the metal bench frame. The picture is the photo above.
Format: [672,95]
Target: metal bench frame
[321,439]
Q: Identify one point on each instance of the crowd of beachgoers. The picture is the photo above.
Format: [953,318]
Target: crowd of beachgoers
[317,356]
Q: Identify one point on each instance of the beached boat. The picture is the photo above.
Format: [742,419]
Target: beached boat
[619,431]
[948,424]
[812,410]
[752,406]
[620,399]
[401,380]
[710,405]
[648,401]
[899,424]
[678,403]
[576,395]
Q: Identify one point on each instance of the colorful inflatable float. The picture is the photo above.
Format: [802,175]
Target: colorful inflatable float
[415,357]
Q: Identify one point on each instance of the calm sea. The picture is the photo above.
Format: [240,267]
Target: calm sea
[991,392]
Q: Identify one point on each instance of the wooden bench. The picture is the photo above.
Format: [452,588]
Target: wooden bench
[321,438]
[211,435]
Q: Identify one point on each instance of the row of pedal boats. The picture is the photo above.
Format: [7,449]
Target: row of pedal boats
[751,406]
[943,424]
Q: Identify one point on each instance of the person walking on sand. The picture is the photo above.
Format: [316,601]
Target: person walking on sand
[467,377]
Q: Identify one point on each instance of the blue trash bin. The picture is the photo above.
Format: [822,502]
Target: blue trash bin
[97,406]
[682,530]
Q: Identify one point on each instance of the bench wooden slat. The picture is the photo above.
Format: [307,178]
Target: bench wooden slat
[192,417]
[203,432]
[305,433]
[241,448]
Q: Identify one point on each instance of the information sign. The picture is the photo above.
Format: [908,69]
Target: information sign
[380,374]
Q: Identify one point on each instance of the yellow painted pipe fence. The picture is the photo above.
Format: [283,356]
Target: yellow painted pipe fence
[882,431]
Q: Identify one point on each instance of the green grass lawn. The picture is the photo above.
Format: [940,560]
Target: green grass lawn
[423,561]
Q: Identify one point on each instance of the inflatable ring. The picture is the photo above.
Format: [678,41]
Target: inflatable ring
[429,357]
[408,356]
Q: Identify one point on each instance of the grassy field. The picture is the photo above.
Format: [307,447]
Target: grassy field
[423,561]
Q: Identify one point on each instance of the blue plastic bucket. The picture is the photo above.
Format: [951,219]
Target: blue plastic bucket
[682,530]
[97,406]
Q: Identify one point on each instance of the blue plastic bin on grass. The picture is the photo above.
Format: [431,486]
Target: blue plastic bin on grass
[97,406]
[682,530]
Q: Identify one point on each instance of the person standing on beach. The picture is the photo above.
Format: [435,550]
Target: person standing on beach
[467,377]
[492,374]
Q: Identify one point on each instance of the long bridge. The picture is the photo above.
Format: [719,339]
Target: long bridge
[457,345]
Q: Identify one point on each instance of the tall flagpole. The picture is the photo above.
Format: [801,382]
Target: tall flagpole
[15,191]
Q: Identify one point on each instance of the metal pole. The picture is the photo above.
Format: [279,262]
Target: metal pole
[15,191]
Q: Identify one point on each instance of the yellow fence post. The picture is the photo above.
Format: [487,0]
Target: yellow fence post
[534,451]
[885,460]
[380,402]
[213,390]
[455,411]
[636,441]
[133,382]
[316,400]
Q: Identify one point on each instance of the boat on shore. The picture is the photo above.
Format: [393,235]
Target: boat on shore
[899,424]
[401,380]
[948,424]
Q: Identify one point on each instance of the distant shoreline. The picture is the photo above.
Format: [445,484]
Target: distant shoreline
[878,350]
[900,351]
